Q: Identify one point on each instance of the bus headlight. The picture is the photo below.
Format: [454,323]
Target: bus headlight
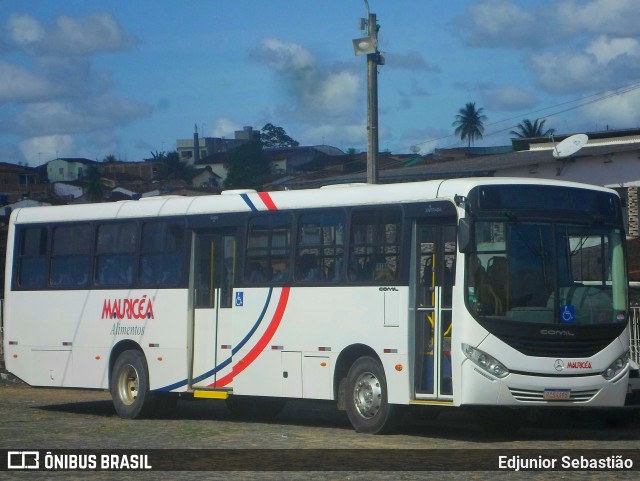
[616,367]
[483,360]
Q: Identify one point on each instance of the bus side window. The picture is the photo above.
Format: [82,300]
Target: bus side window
[70,261]
[320,246]
[115,254]
[162,254]
[374,245]
[268,250]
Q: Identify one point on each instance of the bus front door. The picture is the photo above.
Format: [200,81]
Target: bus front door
[213,268]
[434,270]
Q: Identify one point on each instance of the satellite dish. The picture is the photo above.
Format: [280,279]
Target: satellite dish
[569,146]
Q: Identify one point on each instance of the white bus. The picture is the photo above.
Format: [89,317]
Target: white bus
[465,292]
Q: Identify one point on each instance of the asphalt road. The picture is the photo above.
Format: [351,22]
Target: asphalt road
[54,419]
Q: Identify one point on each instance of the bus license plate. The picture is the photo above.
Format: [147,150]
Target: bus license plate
[557,394]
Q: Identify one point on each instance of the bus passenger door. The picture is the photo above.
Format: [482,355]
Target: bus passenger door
[434,257]
[213,266]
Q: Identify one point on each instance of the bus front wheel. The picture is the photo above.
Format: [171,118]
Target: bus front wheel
[367,402]
[130,385]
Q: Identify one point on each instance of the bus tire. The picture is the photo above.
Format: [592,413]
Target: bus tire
[367,402]
[130,385]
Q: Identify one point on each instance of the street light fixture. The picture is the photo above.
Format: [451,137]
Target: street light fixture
[364,46]
[368,46]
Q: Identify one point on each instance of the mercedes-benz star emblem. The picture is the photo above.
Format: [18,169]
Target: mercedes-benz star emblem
[558,365]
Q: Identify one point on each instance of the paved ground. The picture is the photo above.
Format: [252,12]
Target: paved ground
[33,418]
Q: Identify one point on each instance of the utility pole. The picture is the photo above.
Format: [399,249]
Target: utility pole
[369,46]
[372,105]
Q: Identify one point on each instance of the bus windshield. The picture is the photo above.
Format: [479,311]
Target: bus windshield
[547,273]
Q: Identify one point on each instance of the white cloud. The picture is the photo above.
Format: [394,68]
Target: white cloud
[317,92]
[617,17]
[40,150]
[224,127]
[68,36]
[60,101]
[102,112]
[508,23]
[617,111]
[567,72]
[284,56]
[606,49]
[334,94]
[24,30]
[19,84]
[412,60]
[508,97]
[349,135]
[502,23]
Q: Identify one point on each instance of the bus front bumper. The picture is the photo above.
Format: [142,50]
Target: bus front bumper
[479,387]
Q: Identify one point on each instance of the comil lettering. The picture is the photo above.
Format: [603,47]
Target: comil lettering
[553,332]
[141,308]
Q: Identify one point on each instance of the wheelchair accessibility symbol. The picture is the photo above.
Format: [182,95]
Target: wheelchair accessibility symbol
[239,299]
[568,313]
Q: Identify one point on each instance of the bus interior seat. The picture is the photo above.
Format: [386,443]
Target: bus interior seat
[254,272]
[498,278]
[308,269]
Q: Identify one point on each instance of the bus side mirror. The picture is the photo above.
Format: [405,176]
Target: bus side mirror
[464,235]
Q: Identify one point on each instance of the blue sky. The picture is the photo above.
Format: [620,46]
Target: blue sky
[92,78]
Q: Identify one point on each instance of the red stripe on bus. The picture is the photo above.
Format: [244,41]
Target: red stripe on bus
[266,198]
[252,355]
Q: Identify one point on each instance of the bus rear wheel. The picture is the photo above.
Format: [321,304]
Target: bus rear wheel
[130,385]
[367,402]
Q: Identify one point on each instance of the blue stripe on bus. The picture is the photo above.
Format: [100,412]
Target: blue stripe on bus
[226,362]
[245,197]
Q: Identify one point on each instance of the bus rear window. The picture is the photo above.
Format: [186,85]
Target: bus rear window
[32,270]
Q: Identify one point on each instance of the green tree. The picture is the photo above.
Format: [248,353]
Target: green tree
[170,167]
[276,137]
[526,129]
[469,122]
[110,158]
[93,184]
[247,167]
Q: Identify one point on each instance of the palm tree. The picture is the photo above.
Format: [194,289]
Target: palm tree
[469,122]
[93,182]
[170,167]
[527,130]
